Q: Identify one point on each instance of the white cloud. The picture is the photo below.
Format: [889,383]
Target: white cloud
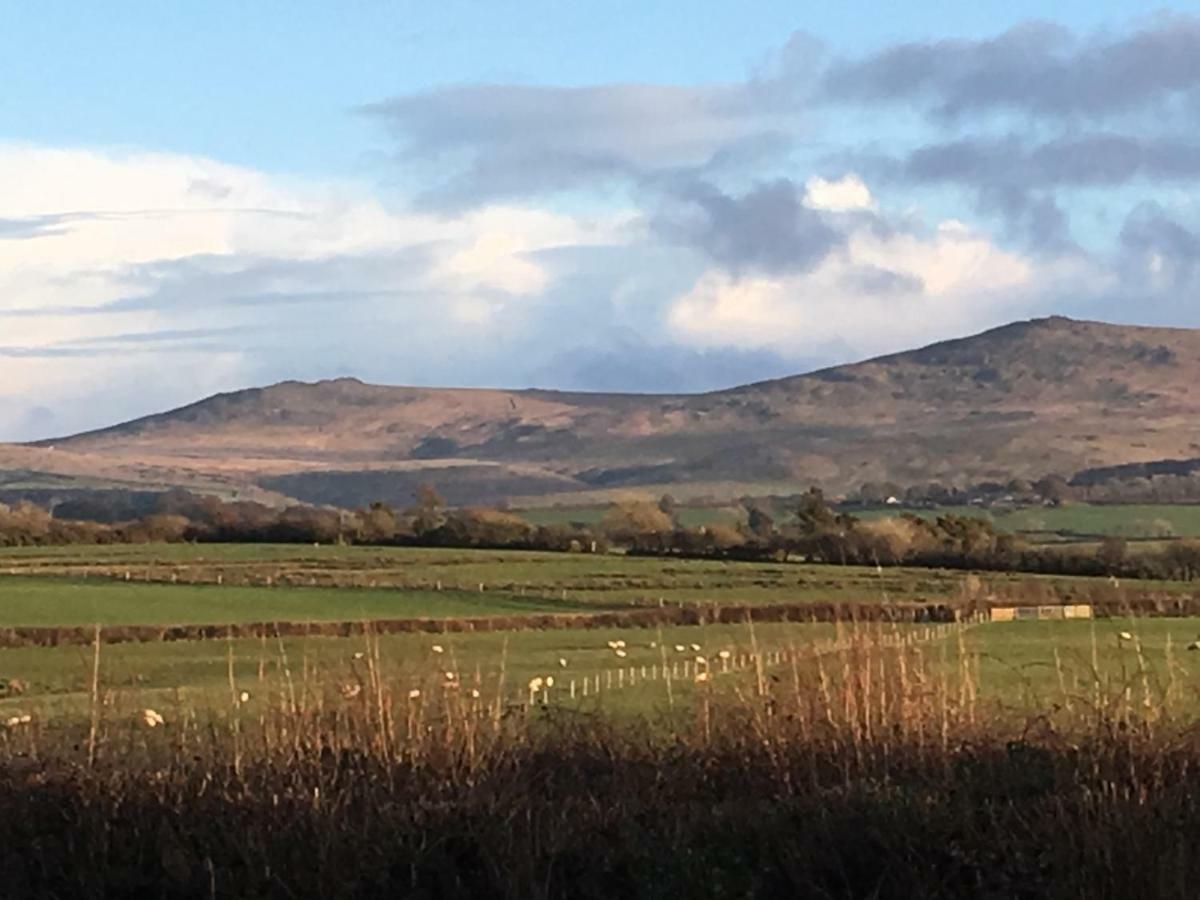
[840,195]
[96,245]
[878,293]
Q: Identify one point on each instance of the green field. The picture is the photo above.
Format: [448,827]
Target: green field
[609,580]
[1036,665]
[1145,522]
[195,673]
[60,601]
[78,586]
[1017,667]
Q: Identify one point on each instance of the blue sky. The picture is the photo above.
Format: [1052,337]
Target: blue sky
[615,196]
[276,84]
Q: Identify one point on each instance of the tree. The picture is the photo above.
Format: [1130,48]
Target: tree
[1183,558]
[1112,553]
[308,524]
[377,524]
[814,515]
[158,527]
[722,536]
[760,523]
[639,524]
[482,527]
[1054,488]
[428,514]
[668,507]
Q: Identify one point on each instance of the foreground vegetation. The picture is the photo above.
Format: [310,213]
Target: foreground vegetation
[880,771]
[870,759]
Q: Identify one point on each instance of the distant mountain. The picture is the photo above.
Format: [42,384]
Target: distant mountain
[1027,399]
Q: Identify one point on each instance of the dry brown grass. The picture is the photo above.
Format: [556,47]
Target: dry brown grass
[872,771]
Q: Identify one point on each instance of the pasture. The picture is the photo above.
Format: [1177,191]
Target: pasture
[607,580]
[1017,666]
[1039,524]
[44,601]
[1077,521]
[195,675]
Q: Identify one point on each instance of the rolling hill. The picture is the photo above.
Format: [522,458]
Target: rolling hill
[1026,399]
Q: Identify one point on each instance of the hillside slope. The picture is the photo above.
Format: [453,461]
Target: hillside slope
[1025,399]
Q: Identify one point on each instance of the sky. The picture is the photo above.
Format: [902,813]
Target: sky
[618,196]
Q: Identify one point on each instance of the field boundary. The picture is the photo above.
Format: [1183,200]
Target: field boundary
[667,615]
[659,616]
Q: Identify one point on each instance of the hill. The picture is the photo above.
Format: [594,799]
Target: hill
[1027,399]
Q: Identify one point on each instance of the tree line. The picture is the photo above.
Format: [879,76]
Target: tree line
[807,528]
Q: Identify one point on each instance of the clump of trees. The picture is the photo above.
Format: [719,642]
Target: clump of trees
[180,515]
[809,528]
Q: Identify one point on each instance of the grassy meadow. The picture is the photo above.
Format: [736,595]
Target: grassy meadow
[1074,521]
[1080,521]
[44,601]
[181,585]
[604,580]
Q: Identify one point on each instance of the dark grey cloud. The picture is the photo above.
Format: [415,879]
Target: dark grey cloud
[768,228]
[1037,68]
[1160,248]
[1022,181]
[1034,217]
[1076,161]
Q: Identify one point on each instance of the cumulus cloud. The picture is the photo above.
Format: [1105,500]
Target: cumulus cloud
[877,293]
